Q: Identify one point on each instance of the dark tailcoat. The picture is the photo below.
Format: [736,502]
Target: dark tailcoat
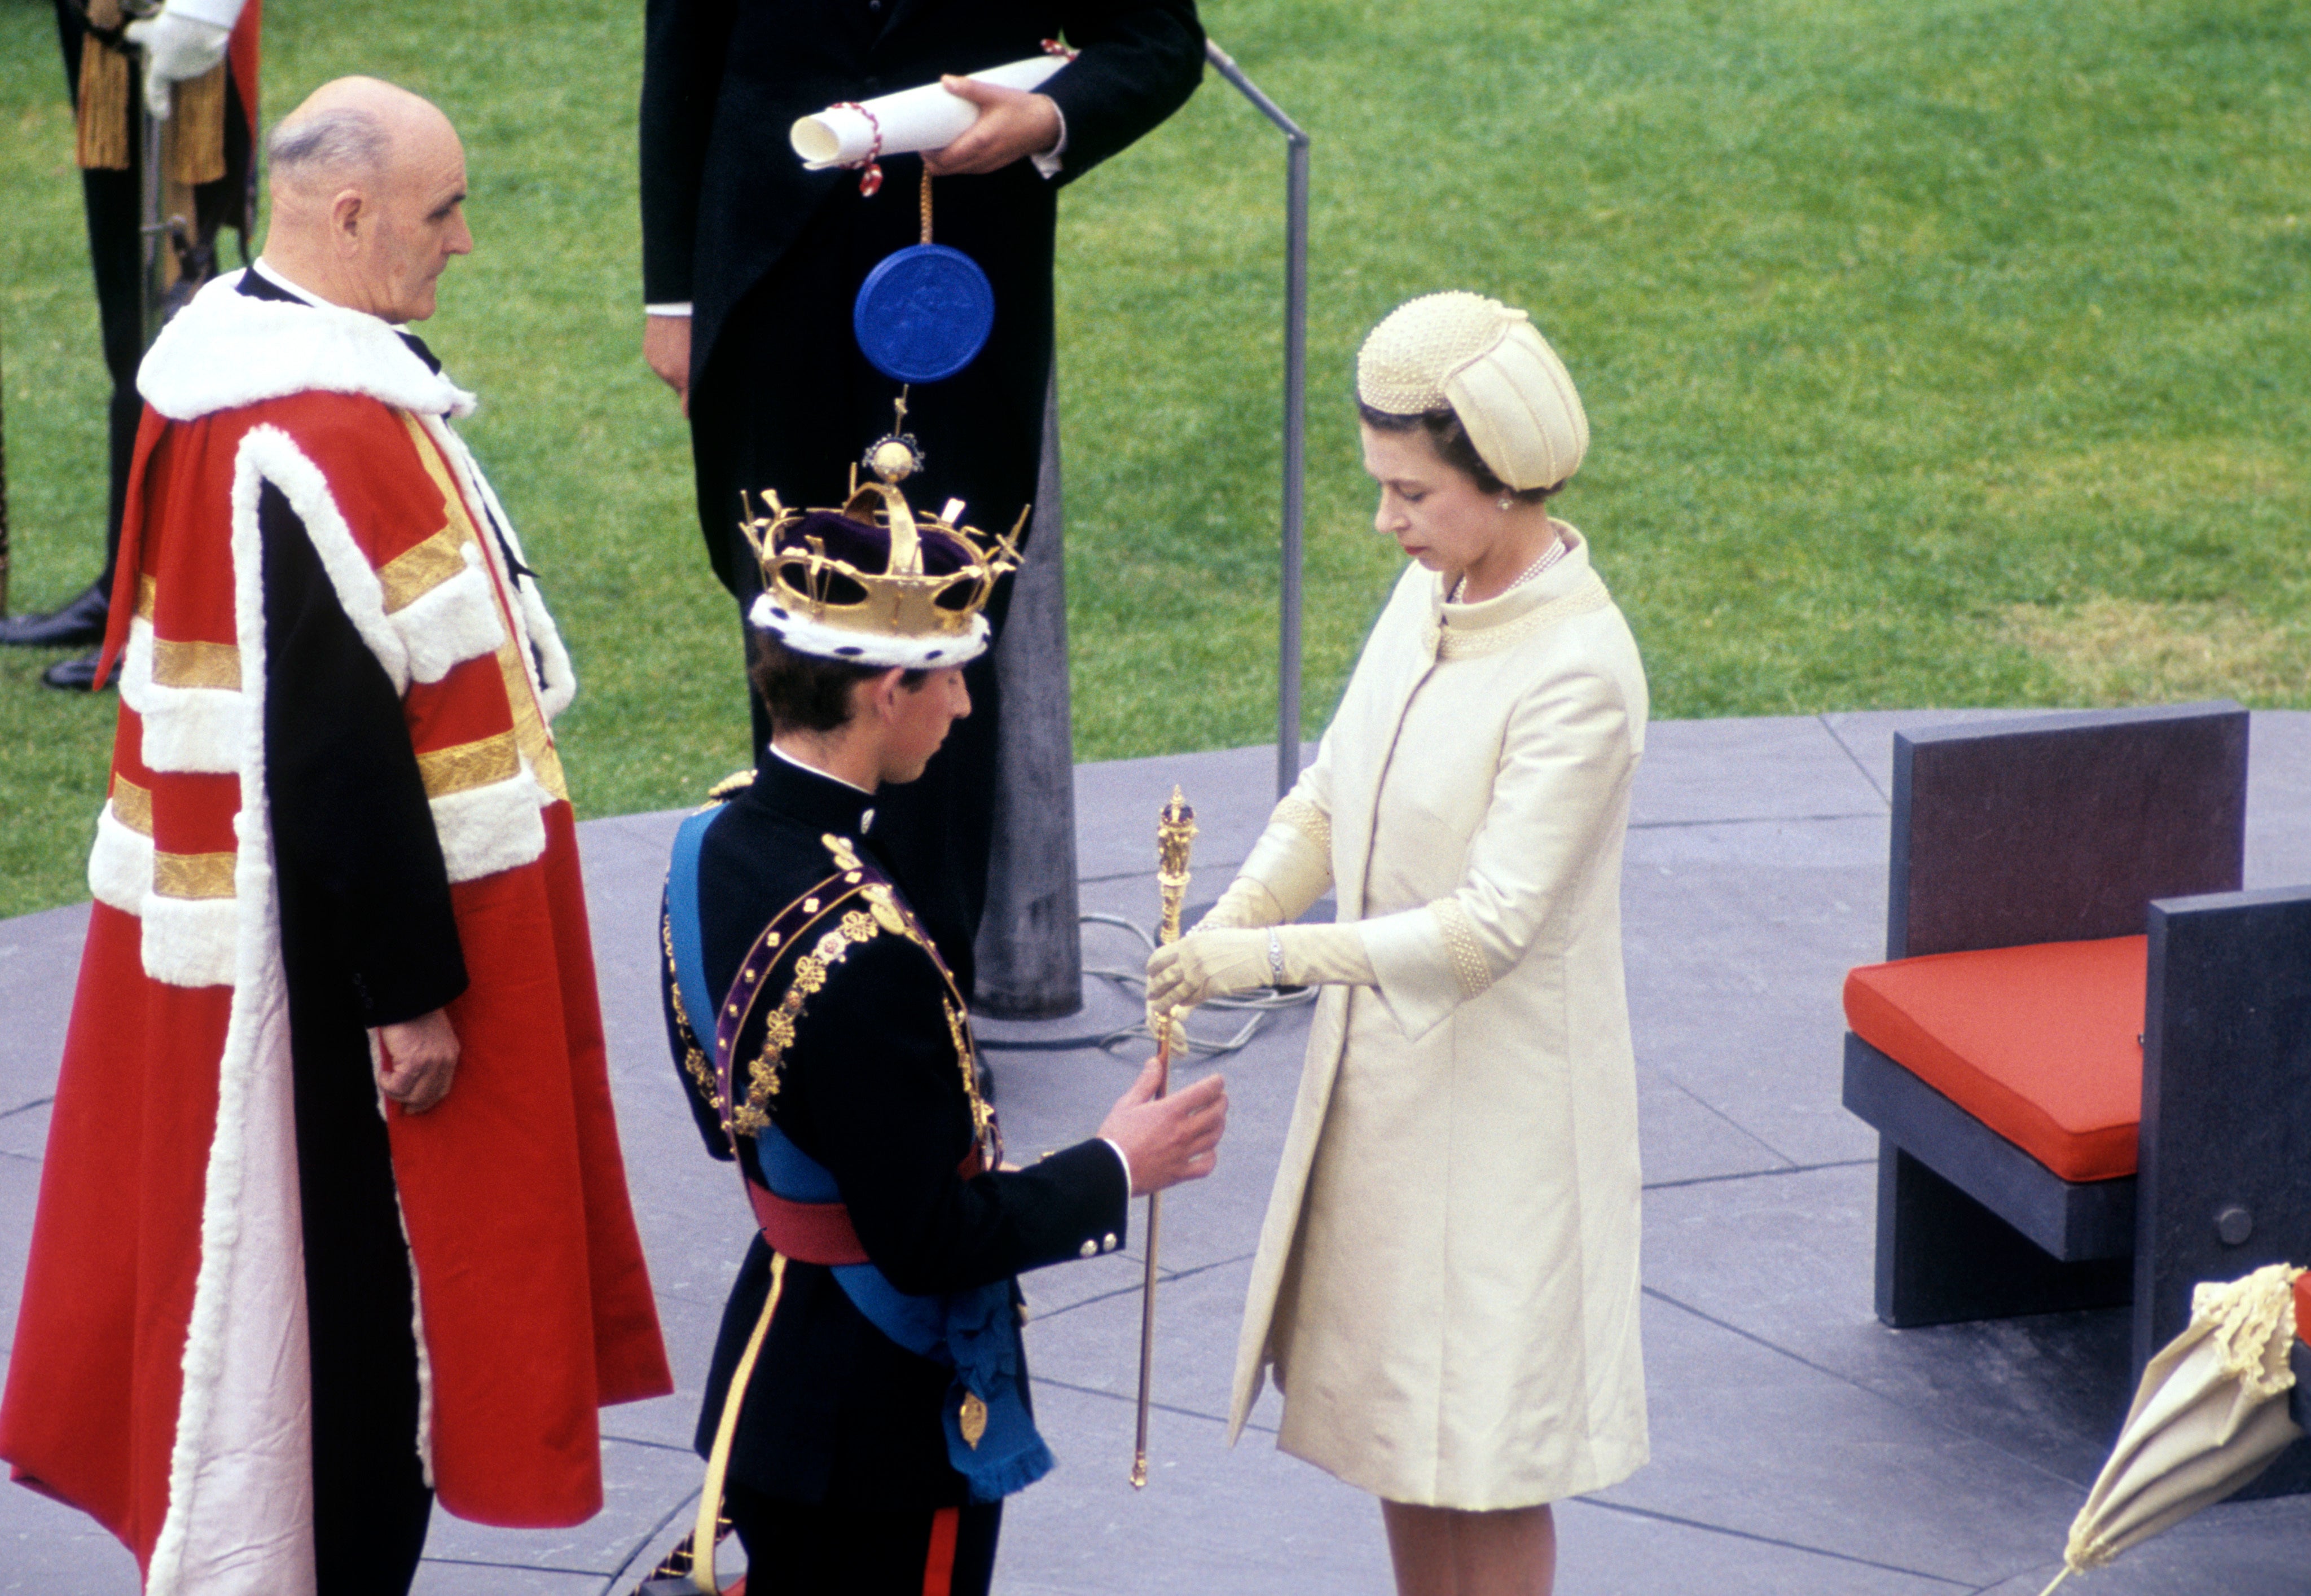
[771,258]
[872,1087]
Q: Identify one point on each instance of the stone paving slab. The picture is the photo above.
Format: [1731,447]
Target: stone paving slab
[1800,1447]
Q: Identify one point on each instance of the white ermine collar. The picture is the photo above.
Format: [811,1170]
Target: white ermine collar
[226,350]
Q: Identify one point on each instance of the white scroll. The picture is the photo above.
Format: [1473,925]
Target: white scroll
[924,118]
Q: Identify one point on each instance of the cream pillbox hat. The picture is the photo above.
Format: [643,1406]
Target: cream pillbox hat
[1496,372]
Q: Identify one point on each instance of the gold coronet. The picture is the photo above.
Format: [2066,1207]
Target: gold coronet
[901,601]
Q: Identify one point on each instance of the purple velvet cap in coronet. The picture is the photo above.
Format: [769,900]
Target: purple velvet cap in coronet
[867,546]
[829,590]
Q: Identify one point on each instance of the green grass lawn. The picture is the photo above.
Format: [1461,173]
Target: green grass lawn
[1945,351]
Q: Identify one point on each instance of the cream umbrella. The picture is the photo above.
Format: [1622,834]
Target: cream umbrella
[2210,1415]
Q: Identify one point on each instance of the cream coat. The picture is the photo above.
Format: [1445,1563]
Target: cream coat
[1447,1279]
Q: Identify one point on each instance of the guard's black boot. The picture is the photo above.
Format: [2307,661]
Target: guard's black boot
[79,673]
[80,624]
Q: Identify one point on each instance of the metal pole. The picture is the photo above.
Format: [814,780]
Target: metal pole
[1295,462]
[1295,413]
[4,498]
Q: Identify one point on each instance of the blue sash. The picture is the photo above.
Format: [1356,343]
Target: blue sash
[975,1332]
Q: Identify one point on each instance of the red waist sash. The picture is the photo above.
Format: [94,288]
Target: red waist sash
[818,1232]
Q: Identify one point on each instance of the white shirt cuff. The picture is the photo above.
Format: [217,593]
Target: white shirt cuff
[1124,1159]
[1048,164]
[216,14]
[667,310]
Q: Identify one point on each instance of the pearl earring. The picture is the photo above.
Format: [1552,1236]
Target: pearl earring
[1506,500]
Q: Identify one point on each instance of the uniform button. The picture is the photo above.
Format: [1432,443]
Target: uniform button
[1107,1243]
[1088,1250]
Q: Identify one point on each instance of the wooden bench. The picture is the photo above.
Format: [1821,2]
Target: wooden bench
[2101,854]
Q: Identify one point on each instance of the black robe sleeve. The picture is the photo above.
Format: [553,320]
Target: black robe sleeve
[364,893]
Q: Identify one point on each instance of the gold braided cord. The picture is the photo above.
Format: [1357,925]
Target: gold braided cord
[704,1533]
[193,876]
[481,762]
[1469,966]
[213,665]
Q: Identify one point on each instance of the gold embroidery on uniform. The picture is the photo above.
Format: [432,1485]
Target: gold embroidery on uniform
[216,666]
[468,765]
[1469,966]
[418,570]
[193,876]
[885,909]
[147,596]
[693,1057]
[778,1024]
[132,805]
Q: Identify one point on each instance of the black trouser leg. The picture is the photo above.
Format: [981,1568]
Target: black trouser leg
[113,204]
[794,1549]
[116,253]
[370,1503]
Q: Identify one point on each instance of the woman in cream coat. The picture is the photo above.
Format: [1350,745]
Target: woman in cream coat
[1446,1287]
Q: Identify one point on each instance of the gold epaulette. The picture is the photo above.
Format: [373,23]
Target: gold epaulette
[735,782]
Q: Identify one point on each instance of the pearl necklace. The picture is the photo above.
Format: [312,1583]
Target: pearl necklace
[1555,553]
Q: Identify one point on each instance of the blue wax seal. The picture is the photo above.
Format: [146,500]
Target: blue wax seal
[923,313]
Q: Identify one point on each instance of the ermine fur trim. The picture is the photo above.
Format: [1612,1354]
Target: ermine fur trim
[226,350]
[487,829]
[183,731]
[451,623]
[120,864]
[240,1515]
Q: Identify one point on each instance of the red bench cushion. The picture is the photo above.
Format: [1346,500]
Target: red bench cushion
[2037,1043]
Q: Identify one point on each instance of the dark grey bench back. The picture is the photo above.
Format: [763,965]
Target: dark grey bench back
[2060,828]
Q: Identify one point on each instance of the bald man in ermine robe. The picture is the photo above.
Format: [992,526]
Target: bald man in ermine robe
[333,1218]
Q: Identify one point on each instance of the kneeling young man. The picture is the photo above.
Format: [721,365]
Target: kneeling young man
[873,1335]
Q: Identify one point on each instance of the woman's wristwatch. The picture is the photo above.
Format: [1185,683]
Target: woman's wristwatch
[1274,958]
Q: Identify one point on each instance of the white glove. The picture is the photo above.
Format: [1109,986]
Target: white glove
[176,46]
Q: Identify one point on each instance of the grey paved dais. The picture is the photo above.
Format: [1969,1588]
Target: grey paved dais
[1799,1446]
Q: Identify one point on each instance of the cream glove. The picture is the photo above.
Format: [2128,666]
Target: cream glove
[1288,870]
[1206,965]
[185,39]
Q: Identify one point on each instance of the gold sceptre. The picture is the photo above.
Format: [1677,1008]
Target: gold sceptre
[1175,835]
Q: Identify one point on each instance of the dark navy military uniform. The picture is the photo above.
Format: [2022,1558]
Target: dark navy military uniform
[841,1454]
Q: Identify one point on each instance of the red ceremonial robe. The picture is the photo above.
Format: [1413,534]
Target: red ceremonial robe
[159,1378]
